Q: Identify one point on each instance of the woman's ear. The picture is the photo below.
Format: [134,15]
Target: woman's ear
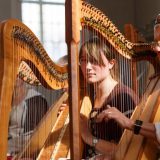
[112,63]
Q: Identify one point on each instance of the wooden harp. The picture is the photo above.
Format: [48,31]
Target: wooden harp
[136,146]
[17,44]
[130,146]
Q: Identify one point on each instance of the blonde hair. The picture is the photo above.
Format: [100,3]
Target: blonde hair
[93,48]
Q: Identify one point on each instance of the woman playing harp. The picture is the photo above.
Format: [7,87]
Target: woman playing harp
[145,129]
[97,63]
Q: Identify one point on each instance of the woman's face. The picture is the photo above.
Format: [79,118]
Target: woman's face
[92,71]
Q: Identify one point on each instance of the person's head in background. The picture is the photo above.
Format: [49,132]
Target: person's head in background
[157,35]
[63,60]
[96,61]
[157,28]
[20,92]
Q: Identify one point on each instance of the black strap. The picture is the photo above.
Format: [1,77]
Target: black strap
[137,126]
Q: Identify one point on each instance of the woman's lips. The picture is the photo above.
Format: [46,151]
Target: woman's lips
[90,74]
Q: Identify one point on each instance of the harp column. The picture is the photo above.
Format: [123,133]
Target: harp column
[72,13]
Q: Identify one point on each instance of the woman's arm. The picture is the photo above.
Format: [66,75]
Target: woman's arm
[104,147]
[147,129]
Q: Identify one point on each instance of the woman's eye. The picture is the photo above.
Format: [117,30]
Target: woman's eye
[93,61]
[82,60]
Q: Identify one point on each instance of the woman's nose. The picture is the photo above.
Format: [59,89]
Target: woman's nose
[89,65]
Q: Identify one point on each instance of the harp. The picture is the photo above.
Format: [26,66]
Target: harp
[130,146]
[18,37]
[15,35]
[138,147]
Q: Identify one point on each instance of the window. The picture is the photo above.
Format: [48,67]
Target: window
[46,18]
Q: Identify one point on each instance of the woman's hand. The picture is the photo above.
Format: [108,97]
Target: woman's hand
[114,113]
[61,108]
[103,147]
[156,48]
[64,104]
[85,132]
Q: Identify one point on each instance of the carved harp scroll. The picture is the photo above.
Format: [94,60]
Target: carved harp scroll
[17,44]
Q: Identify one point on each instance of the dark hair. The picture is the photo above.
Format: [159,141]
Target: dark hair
[93,47]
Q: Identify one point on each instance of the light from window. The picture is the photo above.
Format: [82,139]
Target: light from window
[46,18]
[32,21]
[54,29]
